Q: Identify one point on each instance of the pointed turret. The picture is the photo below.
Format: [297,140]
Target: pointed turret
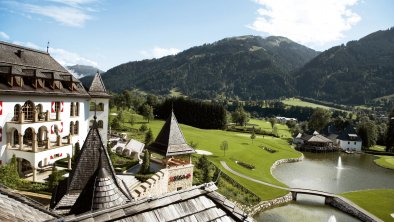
[97,88]
[170,141]
[100,192]
[92,164]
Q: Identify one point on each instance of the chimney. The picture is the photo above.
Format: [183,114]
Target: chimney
[19,53]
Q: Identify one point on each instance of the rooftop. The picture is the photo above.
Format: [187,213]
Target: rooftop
[170,140]
[199,203]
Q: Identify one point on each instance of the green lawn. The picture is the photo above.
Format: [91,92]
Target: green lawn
[298,102]
[378,202]
[386,162]
[265,125]
[378,148]
[240,148]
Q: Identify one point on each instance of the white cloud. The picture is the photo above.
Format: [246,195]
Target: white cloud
[310,22]
[74,13]
[158,52]
[62,56]
[69,16]
[4,35]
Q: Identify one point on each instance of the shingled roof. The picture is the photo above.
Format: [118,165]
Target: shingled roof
[97,88]
[100,192]
[92,159]
[199,203]
[15,207]
[170,140]
[29,65]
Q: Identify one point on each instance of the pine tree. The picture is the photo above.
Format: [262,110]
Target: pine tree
[54,178]
[145,167]
[390,133]
[149,137]
[253,136]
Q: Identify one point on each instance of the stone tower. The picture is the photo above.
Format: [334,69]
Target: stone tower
[176,155]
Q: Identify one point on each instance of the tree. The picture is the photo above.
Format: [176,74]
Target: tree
[115,123]
[147,112]
[77,153]
[145,167]
[149,137]
[54,178]
[132,119]
[319,119]
[367,130]
[291,124]
[193,144]
[272,121]
[224,146]
[203,164]
[9,175]
[143,128]
[253,135]
[120,116]
[240,116]
[275,130]
[390,133]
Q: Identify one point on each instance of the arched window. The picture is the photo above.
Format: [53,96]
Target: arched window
[100,107]
[17,109]
[28,109]
[39,108]
[100,124]
[72,128]
[77,109]
[76,128]
[92,106]
[72,109]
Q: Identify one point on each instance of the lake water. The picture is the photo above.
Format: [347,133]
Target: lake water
[330,172]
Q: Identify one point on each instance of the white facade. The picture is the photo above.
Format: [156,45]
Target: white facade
[42,139]
[102,112]
[350,145]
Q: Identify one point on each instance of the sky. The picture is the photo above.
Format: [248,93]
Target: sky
[106,33]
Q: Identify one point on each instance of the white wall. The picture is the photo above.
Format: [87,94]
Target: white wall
[101,115]
[9,103]
[351,145]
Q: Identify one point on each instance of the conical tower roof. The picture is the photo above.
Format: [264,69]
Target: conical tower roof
[170,140]
[92,160]
[97,88]
[100,192]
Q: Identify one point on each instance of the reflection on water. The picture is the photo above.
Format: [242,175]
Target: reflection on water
[330,172]
[307,208]
[335,173]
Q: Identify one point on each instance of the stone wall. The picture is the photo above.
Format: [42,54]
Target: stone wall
[180,177]
[289,160]
[154,186]
[263,205]
[349,209]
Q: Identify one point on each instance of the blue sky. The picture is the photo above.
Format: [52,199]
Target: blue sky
[106,33]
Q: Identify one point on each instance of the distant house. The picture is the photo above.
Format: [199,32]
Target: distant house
[284,120]
[315,142]
[346,139]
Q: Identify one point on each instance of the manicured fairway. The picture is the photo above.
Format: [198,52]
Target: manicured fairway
[385,161]
[378,202]
[298,102]
[240,148]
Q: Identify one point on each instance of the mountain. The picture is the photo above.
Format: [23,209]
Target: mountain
[83,70]
[354,73]
[244,67]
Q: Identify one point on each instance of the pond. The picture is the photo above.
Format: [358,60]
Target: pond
[330,172]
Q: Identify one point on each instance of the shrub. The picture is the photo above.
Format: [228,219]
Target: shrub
[248,166]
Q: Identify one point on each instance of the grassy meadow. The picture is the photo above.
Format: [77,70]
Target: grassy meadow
[386,162]
[240,148]
[379,202]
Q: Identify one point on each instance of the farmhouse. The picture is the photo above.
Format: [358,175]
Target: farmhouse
[315,142]
[346,139]
[44,110]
